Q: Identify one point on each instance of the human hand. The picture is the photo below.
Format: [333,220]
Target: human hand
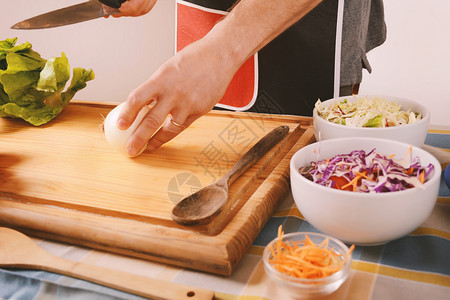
[135,8]
[184,88]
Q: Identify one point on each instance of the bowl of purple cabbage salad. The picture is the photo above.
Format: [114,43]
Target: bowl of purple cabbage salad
[374,116]
[365,191]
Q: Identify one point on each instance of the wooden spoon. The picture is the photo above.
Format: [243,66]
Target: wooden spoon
[19,251]
[441,155]
[205,204]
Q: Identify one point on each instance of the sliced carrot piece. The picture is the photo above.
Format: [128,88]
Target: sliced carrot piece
[408,152]
[422,176]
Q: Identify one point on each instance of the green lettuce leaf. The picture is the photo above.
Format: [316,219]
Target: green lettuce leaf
[374,122]
[31,88]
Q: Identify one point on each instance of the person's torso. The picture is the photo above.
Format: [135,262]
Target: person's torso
[289,74]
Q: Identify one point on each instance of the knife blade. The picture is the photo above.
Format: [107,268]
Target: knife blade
[86,11]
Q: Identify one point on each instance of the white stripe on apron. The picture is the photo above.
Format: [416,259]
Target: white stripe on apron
[337,55]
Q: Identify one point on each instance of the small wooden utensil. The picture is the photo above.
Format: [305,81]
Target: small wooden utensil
[19,251]
[205,204]
[441,155]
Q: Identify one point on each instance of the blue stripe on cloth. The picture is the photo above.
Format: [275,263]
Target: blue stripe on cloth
[40,275]
[12,286]
[444,191]
[290,224]
[28,285]
[414,252]
[419,252]
[438,140]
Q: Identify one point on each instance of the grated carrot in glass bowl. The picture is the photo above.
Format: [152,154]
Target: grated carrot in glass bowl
[307,264]
[305,259]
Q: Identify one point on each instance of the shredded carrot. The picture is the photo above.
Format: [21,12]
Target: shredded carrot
[363,174]
[354,181]
[305,259]
[410,171]
[339,182]
[408,152]
[422,176]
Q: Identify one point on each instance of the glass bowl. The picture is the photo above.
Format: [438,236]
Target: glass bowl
[299,288]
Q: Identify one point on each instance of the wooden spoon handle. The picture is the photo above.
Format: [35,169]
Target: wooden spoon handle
[256,153]
[441,155]
[130,283]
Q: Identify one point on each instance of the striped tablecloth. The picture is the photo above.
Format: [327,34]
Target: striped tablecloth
[416,266]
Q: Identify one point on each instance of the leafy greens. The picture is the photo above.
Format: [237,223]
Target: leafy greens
[31,88]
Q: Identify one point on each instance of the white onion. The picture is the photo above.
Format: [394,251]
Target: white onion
[118,138]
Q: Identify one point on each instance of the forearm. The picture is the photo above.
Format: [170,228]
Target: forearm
[252,24]
[191,82]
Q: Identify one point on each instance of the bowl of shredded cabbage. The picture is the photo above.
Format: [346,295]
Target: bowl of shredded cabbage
[365,191]
[371,116]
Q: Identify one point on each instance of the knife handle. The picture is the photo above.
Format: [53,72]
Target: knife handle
[112,3]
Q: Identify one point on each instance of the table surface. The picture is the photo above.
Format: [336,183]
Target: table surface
[416,266]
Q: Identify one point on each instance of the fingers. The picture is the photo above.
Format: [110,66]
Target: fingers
[174,123]
[141,96]
[157,127]
[168,131]
[149,125]
[135,8]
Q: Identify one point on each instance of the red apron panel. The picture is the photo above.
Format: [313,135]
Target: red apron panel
[194,22]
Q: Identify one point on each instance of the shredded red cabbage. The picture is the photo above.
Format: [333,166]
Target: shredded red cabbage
[367,173]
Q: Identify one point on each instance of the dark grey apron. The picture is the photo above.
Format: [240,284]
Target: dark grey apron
[298,66]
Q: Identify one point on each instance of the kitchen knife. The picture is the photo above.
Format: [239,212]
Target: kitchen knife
[86,11]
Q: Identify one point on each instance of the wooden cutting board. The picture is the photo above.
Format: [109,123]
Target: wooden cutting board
[62,181]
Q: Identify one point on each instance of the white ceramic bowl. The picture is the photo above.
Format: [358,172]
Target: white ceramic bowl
[363,218]
[413,134]
[308,288]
